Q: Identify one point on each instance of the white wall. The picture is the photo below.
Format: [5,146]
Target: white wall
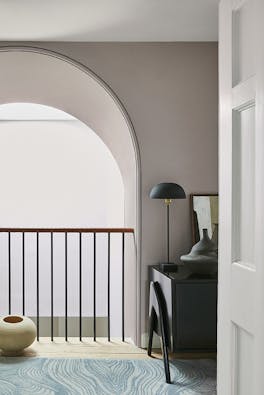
[59,173]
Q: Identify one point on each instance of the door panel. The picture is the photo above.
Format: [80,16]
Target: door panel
[244,185]
[243,384]
[241,198]
[242,296]
[243,41]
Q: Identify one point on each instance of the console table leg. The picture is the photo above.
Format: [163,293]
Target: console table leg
[165,355]
[157,319]
[152,322]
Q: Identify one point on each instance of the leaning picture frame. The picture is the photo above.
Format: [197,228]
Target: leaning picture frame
[209,200]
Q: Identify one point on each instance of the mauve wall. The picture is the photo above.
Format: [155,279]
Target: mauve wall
[170,92]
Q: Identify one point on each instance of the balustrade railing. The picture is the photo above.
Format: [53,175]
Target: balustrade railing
[79,264]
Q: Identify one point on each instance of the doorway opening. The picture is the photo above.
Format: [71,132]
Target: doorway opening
[57,81]
[60,175]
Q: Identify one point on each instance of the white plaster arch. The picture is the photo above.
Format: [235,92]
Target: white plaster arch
[35,75]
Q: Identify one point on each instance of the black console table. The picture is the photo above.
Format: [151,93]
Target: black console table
[183,311]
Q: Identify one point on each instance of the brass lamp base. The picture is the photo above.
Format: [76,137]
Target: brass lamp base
[168,267]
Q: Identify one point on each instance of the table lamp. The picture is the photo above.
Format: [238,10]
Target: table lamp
[167,191]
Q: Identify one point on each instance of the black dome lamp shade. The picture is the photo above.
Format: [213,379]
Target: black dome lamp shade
[167,191]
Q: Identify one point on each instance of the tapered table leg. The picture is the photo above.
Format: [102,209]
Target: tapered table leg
[152,322]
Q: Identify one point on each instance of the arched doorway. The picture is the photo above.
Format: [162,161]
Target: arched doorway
[39,76]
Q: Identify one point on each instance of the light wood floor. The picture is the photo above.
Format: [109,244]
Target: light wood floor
[85,349]
[115,349]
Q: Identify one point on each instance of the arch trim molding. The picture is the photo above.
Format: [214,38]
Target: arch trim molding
[130,127]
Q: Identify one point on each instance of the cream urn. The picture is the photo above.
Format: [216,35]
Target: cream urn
[16,333]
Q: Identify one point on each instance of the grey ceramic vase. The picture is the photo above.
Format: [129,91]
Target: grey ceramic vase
[203,257]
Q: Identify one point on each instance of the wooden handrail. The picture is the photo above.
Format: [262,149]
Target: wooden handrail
[67,230]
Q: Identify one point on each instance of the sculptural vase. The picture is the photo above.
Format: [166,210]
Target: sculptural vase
[203,258]
[16,333]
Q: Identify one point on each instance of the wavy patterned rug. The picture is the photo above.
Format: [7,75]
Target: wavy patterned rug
[47,376]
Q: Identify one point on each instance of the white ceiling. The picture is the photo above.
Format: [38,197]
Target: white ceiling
[108,20]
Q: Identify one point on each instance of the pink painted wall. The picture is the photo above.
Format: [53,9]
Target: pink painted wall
[170,91]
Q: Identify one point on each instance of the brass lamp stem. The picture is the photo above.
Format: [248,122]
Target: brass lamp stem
[168,202]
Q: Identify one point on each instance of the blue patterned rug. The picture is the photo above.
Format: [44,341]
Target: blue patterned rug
[48,376]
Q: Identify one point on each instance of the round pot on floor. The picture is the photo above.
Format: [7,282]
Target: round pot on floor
[16,333]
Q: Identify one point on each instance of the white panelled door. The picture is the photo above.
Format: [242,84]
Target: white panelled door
[241,190]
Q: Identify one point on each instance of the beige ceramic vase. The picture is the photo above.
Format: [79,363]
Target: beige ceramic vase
[16,333]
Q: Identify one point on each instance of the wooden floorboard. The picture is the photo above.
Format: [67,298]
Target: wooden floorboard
[115,349]
[88,348]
